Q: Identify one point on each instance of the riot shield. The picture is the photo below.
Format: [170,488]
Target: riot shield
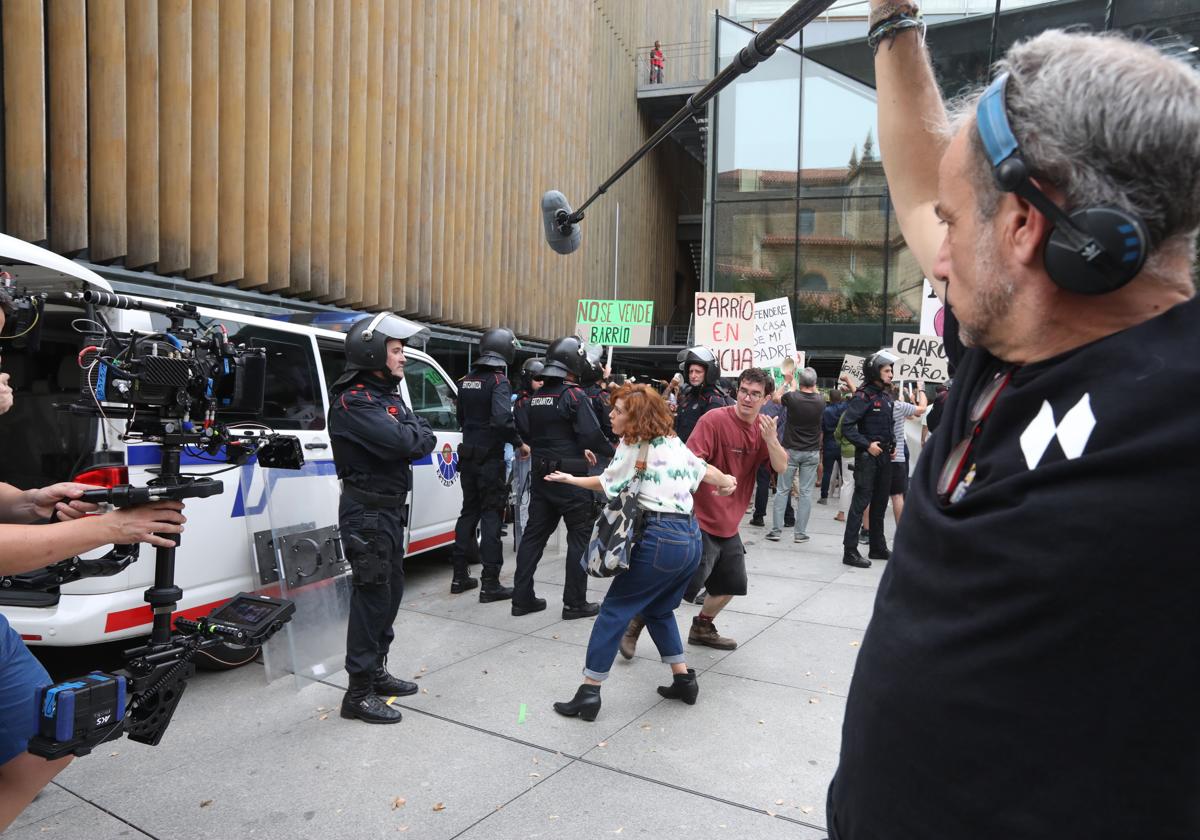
[291,517]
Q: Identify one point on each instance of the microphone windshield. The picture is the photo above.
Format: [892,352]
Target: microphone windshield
[564,243]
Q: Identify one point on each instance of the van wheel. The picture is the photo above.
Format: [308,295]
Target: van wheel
[226,657]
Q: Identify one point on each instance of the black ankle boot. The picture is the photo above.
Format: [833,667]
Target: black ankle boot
[462,582]
[683,687]
[360,703]
[387,685]
[585,704]
[492,589]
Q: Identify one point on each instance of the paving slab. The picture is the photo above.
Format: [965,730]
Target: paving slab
[348,780]
[616,805]
[744,741]
[81,821]
[839,606]
[810,656]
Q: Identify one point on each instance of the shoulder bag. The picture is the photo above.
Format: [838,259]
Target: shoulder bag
[618,527]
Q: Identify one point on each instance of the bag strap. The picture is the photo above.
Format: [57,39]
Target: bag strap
[639,469]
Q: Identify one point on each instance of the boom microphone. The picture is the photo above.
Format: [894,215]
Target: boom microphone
[562,226]
[562,234]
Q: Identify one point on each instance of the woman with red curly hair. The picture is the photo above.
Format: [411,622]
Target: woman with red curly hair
[664,558]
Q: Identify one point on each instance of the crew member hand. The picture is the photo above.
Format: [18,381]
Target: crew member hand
[62,497]
[875,448]
[6,394]
[590,456]
[766,425]
[560,476]
[143,523]
[523,451]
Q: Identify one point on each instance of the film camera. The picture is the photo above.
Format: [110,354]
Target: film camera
[184,387]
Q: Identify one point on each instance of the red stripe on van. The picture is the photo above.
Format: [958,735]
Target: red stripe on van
[430,542]
[139,616]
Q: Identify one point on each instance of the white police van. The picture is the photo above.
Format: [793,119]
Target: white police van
[43,444]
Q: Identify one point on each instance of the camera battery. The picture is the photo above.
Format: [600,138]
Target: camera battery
[77,709]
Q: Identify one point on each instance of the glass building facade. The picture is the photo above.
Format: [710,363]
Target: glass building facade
[798,204]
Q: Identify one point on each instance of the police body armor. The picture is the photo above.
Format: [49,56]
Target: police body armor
[878,422]
[696,402]
[481,440]
[553,442]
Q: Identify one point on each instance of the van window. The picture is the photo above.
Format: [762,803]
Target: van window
[430,395]
[293,394]
[333,361]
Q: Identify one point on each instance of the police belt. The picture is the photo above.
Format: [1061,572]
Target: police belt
[376,500]
[545,466]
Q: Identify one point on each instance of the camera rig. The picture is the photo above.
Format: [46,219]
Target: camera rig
[175,387]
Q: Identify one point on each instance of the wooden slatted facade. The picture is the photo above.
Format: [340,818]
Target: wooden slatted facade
[369,153]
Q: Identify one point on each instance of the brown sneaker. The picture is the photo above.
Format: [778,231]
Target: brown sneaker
[629,640]
[705,633]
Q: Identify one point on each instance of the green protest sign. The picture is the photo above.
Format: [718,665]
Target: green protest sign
[614,322]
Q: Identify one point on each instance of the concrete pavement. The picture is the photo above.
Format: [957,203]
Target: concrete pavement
[752,759]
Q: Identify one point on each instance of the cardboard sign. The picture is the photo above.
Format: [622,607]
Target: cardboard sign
[921,357]
[725,322]
[774,337]
[614,322]
[933,315]
[853,366]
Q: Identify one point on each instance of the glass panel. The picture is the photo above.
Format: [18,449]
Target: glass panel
[839,126]
[430,396]
[754,248]
[1018,20]
[292,399]
[758,122]
[1171,25]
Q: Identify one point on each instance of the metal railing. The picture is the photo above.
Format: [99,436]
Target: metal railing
[686,62]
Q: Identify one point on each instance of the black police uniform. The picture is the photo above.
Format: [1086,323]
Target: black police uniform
[869,418]
[486,417]
[599,401]
[375,438]
[558,423]
[695,403]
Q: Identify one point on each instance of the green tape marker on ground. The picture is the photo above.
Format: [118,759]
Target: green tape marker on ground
[521,714]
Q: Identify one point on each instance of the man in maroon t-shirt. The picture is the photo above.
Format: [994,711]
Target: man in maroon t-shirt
[735,439]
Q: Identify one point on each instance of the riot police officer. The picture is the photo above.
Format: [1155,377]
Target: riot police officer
[559,424]
[869,425]
[531,381]
[591,372]
[375,439]
[486,417]
[700,393]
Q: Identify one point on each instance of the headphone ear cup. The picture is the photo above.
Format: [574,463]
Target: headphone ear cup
[1122,236]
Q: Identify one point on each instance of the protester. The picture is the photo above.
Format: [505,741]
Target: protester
[666,554]
[902,411]
[802,440]
[1030,662]
[831,450]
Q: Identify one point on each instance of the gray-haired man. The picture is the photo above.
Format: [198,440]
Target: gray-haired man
[802,440]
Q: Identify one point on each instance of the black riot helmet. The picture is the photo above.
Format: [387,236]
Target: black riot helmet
[592,370]
[367,338]
[564,356]
[531,370]
[497,348]
[699,356]
[874,364]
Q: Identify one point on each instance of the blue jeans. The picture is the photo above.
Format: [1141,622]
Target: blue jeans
[659,569]
[20,677]
[804,462]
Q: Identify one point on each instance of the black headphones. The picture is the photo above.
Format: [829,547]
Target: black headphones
[1091,251]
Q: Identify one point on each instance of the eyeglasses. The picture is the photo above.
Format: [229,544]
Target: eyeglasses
[750,395]
[955,477]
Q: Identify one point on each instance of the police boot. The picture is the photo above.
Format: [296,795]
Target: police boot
[359,703]
[387,685]
[492,589]
[462,582]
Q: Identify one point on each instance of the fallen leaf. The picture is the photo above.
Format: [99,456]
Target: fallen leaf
[424,669]
[324,717]
[398,802]
[322,709]
[646,726]
[778,801]
[204,803]
[416,676]
[807,809]
[438,806]
[854,644]
[771,814]
[619,830]
[813,700]
[402,828]
[602,744]
[554,816]
[110,755]
[424,690]
[555,636]
[762,721]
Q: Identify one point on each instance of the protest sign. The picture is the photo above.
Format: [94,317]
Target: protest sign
[853,366]
[933,314]
[921,357]
[725,322]
[619,322]
[774,337]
